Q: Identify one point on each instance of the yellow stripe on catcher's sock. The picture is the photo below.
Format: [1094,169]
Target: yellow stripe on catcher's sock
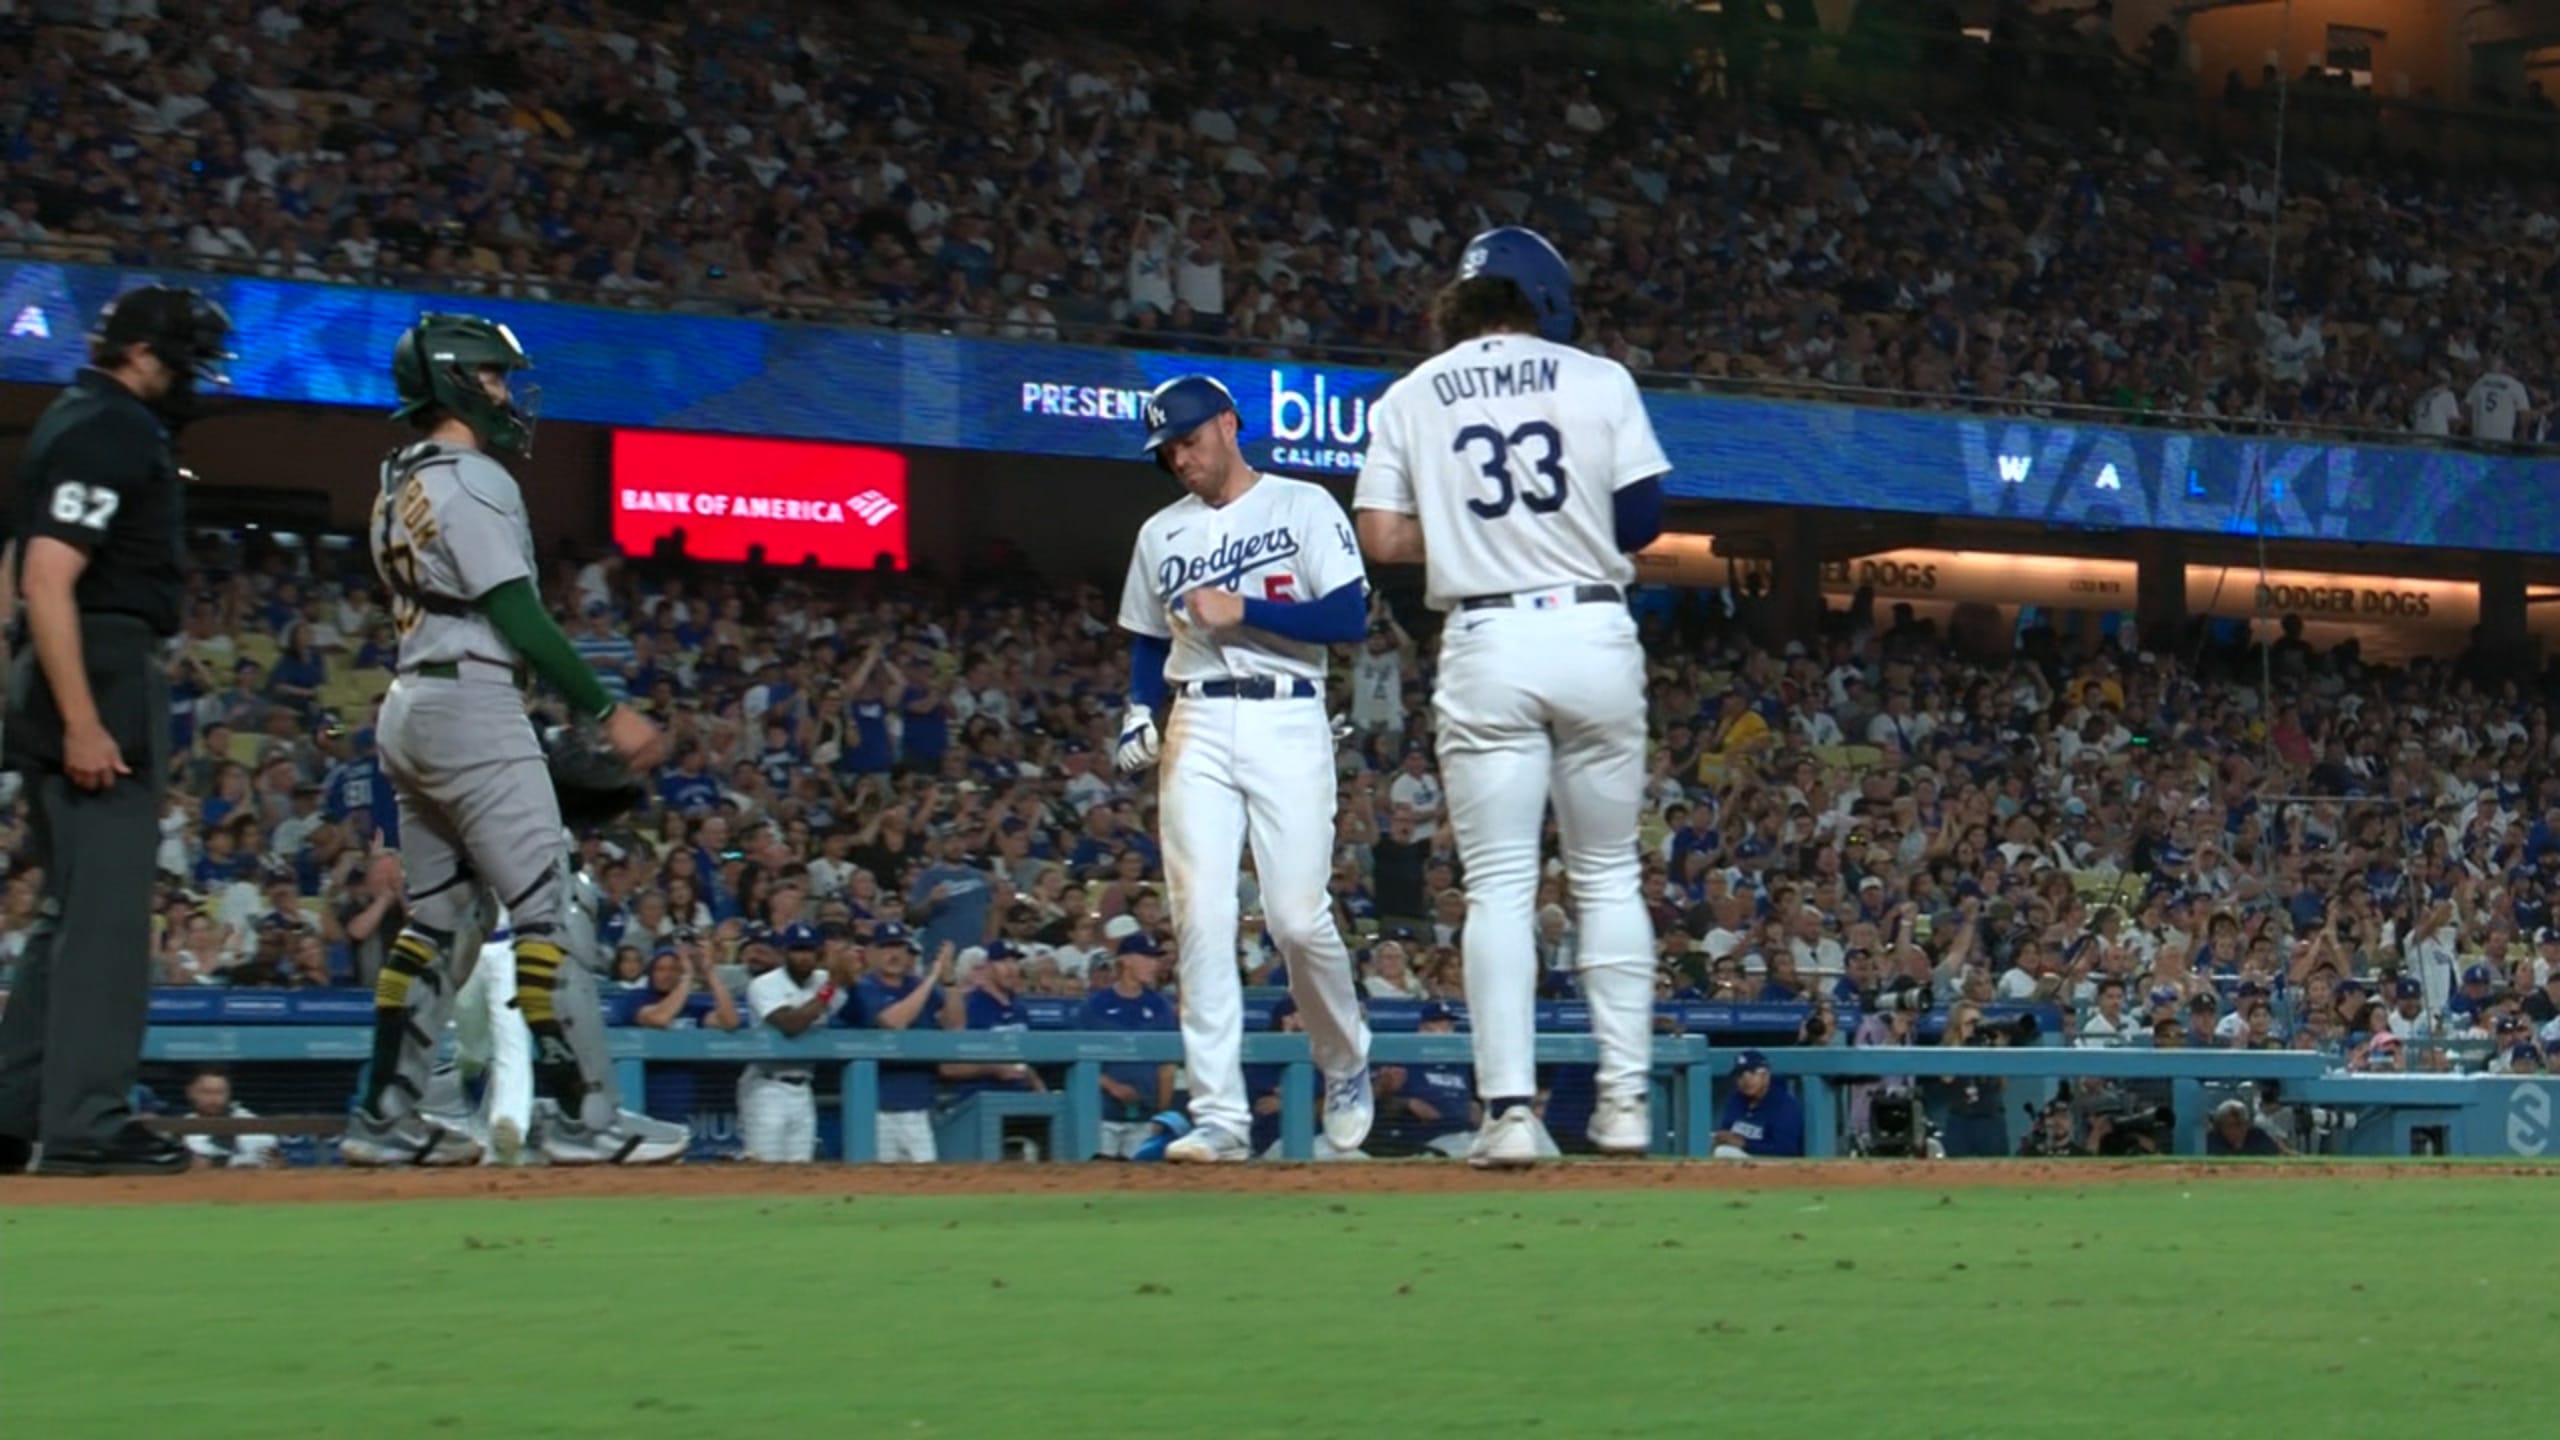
[537,975]
[412,955]
[555,1065]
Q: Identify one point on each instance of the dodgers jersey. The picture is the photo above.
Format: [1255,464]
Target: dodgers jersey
[1511,449]
[448,527]
[776,990]
[2496,400]
[1283,540]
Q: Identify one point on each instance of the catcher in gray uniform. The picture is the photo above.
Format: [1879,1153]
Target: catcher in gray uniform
[480,825]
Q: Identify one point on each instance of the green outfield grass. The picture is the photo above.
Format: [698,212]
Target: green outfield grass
[2238,1306]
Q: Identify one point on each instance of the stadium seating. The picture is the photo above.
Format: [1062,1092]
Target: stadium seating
[2092,240]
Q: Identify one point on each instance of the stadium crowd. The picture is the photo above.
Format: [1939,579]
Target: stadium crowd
[1005,170]
[913,780]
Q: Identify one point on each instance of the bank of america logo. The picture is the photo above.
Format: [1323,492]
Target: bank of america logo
[872,506]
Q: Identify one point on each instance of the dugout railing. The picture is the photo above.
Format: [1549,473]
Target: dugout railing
[2457,1115]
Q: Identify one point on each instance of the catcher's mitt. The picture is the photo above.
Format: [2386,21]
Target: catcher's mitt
[593,783]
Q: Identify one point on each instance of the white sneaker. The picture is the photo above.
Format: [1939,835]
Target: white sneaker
[1207,1145]
[1622,1125]
[1508,1142]
[506,1141]
[1350,1108]
[632,1140]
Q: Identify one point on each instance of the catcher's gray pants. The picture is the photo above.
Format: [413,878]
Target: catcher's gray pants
[476,806]
[478,824]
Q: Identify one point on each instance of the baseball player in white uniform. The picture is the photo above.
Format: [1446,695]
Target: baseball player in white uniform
[1234,591]
[480,823]
[2499,403]
[1521,472]
[489,1038]
[777,1099]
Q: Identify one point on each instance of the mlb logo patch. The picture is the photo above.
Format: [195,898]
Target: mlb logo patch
[1544,602]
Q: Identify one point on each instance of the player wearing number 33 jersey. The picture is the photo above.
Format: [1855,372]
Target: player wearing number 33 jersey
[1522,472]
[1234,592]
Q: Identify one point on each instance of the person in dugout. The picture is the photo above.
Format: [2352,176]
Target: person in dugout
[1761,1119]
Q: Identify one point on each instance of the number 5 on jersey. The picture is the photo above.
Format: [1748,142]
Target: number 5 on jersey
[87,506]
[1548,465]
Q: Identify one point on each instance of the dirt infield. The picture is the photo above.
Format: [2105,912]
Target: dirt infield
[263,1187]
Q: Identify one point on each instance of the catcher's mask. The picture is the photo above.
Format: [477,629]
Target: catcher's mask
[462,365]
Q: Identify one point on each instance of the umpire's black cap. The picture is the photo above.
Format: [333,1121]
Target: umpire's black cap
[187,330]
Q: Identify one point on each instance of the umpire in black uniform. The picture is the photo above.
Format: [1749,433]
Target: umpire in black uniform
[98,543]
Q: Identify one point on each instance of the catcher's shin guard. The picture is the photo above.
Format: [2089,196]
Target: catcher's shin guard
[582,1021]
[411,999]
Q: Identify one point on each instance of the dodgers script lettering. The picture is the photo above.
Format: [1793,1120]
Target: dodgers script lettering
[1234,556]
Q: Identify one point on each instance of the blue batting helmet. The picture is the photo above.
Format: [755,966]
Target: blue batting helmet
[1524,258]
[1181,405]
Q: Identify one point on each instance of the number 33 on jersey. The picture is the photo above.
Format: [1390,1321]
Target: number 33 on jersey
[1545,436]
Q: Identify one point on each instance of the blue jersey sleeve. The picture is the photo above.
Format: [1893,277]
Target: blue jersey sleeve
[1639,514]
[1147,654]
[1338,619]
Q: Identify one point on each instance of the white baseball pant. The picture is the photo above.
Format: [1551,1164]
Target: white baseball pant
[1233,770]
[906,1137]
[777,1119]
[1120,1139]
[489,1036]
[1537,705]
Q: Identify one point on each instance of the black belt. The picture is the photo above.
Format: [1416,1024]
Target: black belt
[452,669]
[1258,687]
[122,618]
[790,1079]
[1582,595]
